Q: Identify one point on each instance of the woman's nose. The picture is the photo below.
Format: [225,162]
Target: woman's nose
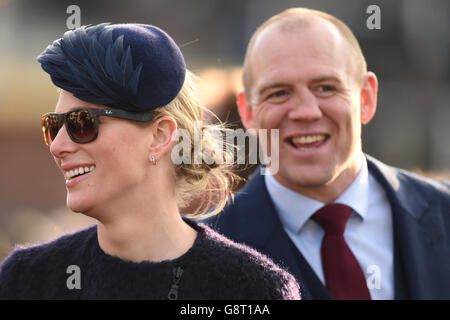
[62,143]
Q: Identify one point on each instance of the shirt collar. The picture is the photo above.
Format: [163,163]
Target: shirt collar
[295,209]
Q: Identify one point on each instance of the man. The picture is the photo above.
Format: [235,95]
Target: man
[305,74]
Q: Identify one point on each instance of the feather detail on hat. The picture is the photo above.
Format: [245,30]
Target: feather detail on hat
[95,68]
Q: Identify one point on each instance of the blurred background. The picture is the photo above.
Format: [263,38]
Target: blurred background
[410,55]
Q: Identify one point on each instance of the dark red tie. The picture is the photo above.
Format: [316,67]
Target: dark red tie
[343,275]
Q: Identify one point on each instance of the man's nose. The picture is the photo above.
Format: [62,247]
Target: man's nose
[305,106]
[62,144]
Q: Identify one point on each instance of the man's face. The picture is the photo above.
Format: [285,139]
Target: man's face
[301,83]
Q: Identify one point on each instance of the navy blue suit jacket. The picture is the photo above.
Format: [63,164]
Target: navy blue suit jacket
[421,224]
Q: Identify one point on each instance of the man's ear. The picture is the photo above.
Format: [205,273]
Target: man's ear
[245,110]
[369,92]
[162,131]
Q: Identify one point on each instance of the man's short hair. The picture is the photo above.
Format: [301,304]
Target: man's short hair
[300,18]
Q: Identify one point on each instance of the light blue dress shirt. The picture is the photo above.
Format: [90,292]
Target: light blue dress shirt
[368,232]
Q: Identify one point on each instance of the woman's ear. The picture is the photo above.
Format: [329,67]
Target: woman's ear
[161,138]
[369,92]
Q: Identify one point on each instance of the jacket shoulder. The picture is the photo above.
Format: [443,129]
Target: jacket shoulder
[239,210]
[400,179]
[438,186]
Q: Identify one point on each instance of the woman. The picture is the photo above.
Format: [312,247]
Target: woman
[124,93]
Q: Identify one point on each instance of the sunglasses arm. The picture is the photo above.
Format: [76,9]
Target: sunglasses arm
[118,113]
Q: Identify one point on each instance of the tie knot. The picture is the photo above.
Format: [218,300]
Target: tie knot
[333,218]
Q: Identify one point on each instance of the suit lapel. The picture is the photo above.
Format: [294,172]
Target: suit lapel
[418,235]
[284,252]
[268,236]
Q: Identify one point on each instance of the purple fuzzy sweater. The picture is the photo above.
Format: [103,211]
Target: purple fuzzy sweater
[75,267]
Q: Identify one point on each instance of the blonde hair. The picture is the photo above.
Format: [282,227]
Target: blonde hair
[301,18]
[209,184]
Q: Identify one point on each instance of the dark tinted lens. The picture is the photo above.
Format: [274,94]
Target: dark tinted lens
[50,128]
[81,125]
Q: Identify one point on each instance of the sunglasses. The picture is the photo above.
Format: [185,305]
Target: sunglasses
[82,124]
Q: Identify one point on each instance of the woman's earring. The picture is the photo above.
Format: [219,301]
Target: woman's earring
[153,160]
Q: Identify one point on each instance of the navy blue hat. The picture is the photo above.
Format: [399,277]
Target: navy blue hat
[134,67]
